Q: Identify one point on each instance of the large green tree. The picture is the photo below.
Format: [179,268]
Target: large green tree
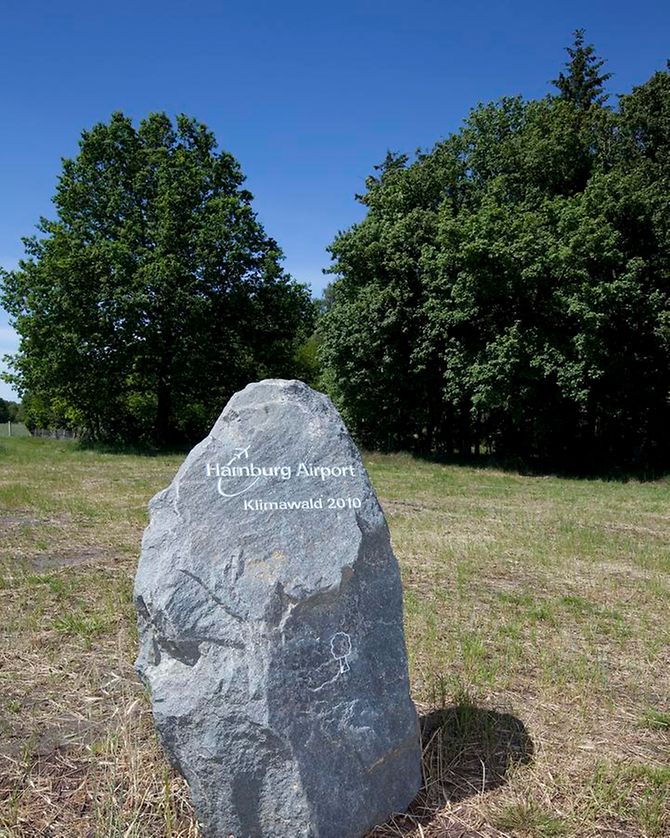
[154,293]
[510,288]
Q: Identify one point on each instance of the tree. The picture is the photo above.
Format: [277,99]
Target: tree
[508,289]
[14,411]
[583,84]
[155,293]
[4,411]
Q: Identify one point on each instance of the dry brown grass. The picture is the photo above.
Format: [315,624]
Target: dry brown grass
[538,627]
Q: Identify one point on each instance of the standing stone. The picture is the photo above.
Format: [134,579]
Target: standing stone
[270,618]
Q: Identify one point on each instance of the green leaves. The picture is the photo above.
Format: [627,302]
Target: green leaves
[511,284]
[155,293]
[583,83]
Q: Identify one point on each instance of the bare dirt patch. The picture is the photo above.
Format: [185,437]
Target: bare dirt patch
[65,557]
[22,519]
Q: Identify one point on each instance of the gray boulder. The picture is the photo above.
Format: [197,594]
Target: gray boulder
[270,620]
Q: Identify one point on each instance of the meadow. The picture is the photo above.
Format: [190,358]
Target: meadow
[537,615]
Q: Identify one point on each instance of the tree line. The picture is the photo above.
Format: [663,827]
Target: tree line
[507,290]
[10,411]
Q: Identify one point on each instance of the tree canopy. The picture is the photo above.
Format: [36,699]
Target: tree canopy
[509,288]
[583,83]
[155,292]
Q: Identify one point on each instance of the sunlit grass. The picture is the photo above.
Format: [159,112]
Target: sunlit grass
[533,605]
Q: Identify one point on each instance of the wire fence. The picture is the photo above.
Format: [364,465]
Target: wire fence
[54,433]
[13,429]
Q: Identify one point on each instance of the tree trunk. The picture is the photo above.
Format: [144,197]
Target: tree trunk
[164,426]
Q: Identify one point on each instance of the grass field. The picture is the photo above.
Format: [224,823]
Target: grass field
[538,630]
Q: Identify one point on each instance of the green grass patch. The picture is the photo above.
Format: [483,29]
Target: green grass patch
[656,719]
[531,819]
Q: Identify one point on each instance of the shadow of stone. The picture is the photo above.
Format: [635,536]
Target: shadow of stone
[467,750]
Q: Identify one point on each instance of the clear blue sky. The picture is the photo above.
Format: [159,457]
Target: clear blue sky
[308,96]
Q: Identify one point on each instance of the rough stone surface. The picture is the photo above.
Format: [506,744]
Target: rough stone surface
[271,636]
